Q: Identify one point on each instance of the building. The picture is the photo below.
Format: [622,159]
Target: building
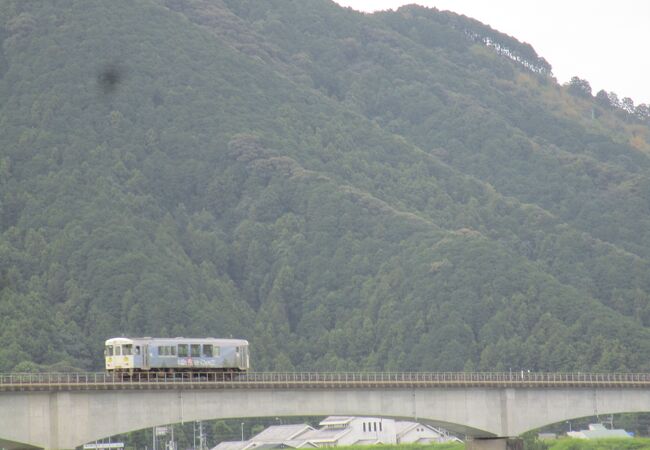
[277,436]
[546,436]
[346,430]
[417,433]
[598,431]
[342,430]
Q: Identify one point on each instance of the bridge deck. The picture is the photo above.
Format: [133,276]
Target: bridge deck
[311,380]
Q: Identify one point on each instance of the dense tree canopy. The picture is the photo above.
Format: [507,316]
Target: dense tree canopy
[408,190]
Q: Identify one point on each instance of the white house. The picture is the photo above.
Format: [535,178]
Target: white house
[417,433]
[374,430]
[346,430]
[598,431]
[341,430]
[277,436]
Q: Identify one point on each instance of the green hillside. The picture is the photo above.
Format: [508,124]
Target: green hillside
[347,191]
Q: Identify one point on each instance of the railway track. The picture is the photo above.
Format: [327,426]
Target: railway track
[311,380]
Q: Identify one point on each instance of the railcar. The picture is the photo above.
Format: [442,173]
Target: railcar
[170,355]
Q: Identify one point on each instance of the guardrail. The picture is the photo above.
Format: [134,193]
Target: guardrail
[313,380]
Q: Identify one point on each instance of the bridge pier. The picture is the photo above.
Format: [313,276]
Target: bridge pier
[496,443]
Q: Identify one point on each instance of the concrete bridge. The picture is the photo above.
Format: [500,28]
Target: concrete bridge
[63,411]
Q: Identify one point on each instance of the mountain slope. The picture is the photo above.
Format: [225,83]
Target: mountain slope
[335,187]
[466,105]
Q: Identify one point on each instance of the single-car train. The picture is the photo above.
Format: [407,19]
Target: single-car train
[171,355]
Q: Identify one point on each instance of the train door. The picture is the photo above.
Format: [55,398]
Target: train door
[145,357]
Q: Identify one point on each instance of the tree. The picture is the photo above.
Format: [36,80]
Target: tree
[627,104]
[579,87]
[642,112]
[613,100]
[602,98]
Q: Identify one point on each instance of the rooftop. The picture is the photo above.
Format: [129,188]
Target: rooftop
[281,433]
[336,420]
[323,435]
[232,445]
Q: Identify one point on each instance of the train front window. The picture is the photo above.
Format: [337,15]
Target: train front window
[196,350]
[127,349]
[109,350]
[207,350]
[182,350]
[118,350]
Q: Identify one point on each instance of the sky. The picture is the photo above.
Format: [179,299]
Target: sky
[603,41]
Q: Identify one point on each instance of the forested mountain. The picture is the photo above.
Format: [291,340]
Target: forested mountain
[407,190]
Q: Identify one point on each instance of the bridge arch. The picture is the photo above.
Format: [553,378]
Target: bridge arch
[561,405]
[147,409]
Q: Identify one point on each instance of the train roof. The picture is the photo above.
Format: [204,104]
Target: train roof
[176,340]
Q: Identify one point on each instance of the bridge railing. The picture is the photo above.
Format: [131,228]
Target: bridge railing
[339,379]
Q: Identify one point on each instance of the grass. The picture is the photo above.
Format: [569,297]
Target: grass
[560,444]
[600,444]
[446,446]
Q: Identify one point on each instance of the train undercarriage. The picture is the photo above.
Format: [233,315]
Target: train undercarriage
[180,374]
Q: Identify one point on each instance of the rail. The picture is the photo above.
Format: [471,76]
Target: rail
[313,380]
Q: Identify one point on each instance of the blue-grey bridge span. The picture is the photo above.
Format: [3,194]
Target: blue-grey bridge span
[62,411]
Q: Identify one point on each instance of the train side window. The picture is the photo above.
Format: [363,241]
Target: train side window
[182,350]
[127,349]
[195,350]
[137,349]
[172,350]
[161,350]
[217,351]
[207,350]
[109,350]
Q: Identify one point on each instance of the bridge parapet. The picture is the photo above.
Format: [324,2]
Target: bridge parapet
[306,380]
